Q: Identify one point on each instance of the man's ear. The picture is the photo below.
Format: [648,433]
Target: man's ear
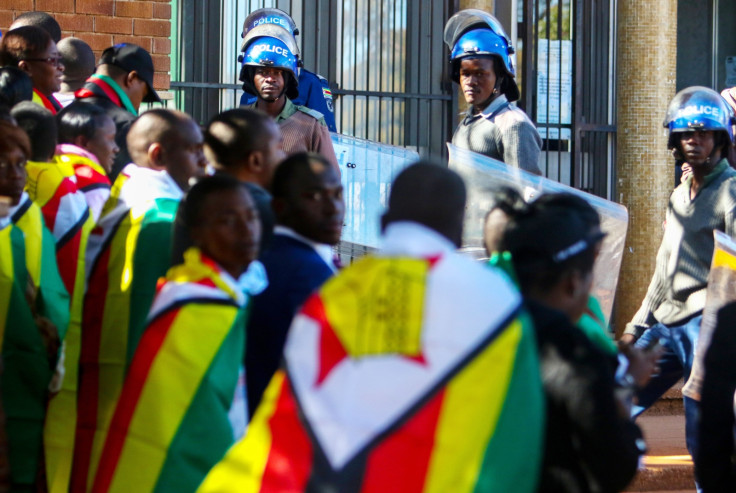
[156,156]
[130,78]
[255,162]
[80,141]
[24,66]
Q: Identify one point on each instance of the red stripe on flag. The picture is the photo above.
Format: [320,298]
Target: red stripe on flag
[401,461]
[331,350]
[67,258]
[89,371]
[151,342]
[290,458]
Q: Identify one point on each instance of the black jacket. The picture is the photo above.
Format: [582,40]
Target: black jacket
[589,446]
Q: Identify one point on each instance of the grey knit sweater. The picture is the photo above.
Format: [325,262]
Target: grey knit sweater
[678,287]
[503,133]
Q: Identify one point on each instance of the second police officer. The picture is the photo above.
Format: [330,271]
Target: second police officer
[482,62]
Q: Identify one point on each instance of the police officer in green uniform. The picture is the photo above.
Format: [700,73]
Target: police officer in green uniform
[269,71]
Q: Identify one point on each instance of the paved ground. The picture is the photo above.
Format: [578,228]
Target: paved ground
[667,466]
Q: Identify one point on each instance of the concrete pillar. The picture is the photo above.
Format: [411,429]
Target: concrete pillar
[645,76]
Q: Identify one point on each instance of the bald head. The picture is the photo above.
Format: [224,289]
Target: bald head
[168,140]
[431,195]
[79,63]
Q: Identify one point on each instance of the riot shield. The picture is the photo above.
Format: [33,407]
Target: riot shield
[368,169]
[720,292]
[483,175]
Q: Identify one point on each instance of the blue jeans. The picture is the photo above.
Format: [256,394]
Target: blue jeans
[676,362]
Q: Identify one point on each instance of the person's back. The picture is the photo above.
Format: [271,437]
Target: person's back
[398,376]
[591,445]
[131,244]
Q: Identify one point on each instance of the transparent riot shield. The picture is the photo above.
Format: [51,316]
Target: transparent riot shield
[368,169]
[721,291]
[483,175]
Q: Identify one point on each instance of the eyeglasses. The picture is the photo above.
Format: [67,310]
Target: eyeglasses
[7,167]
[52,60]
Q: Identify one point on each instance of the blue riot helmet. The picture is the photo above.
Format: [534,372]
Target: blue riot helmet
[698,108]
[272,52]
[472,33]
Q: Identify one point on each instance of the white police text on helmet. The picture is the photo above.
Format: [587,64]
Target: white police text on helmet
[272,20]
[260,48]
[699,109]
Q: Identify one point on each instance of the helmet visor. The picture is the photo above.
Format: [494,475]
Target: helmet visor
[468,19]
[269,16]
[271,31]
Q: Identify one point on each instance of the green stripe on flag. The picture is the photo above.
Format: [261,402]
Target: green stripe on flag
[205,433]
[25,376]
[521,422]
[151,260]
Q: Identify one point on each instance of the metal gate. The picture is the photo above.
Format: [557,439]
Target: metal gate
[568,76]
[385,61]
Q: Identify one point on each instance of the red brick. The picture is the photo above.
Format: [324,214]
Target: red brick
[134,9]
[21,6]
[161,80]
[161,63]
[104,7]
[162,10]
[75,22]
[50,5]
[162,45]
[6,19]
[143,42]
[113,25]
[97,42]
[151,28]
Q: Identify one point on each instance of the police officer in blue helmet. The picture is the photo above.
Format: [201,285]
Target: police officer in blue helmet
[270,72]
[482,62]
[314,90]
[699,123]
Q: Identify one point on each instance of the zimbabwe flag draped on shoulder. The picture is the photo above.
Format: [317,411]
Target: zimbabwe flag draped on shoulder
[171,423]
[28,365]
[53,187]
[129,250]
[92,178]
[402,374]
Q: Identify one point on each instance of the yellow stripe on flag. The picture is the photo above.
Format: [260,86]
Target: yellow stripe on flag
[470,410]
[243,466]
[113,354]
[61,414]
[7,277]
[722,258]
[31,224]
[173,380]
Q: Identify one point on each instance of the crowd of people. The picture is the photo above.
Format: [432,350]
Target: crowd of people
[173,316]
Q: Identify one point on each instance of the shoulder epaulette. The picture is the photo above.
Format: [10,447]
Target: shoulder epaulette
[313,113]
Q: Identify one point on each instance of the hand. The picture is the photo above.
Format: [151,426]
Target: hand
[687,170]
[626,340]
[642,363]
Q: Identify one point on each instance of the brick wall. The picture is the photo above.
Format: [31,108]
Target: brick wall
[102,23]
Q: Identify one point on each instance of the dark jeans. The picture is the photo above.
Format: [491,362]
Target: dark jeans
[676,362]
